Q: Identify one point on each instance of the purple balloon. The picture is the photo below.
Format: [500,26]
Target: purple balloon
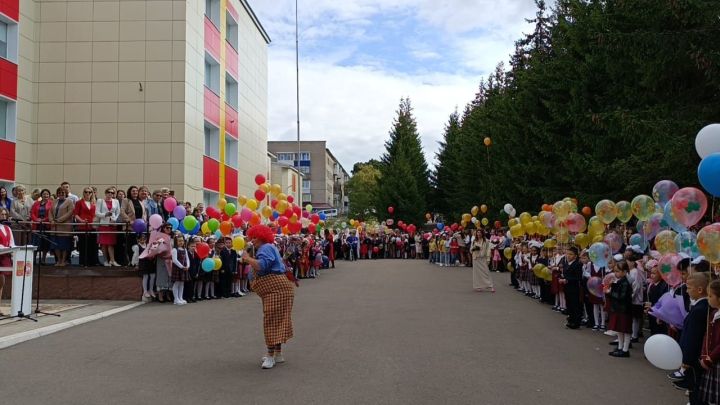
[179,212]
[139,225]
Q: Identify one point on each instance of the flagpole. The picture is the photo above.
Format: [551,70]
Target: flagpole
[297,104]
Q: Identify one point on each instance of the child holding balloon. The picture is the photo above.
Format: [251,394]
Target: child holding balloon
[710,357]
[180,270]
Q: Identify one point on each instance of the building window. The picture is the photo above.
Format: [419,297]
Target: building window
[3,119]
[212,143]
[307,198]
[212,11]
[232,31]
[210,198]
[231,92]
[306,185]
[212,74]
[231,152]
[304,155]
[286,157]
[304,169]
[3,40]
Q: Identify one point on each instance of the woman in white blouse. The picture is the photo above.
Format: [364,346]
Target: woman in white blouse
[107,212]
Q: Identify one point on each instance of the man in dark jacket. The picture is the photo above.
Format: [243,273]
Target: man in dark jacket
[571,278]
[693,332]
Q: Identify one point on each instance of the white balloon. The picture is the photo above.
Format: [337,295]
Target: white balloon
[512,213]
[707,140]
[663,352]
[508,208]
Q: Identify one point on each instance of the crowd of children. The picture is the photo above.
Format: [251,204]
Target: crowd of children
[618,298]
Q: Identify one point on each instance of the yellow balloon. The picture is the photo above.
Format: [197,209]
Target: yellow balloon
[595,226]
[264,187]
[665,242]
[466,217]
[485,221]
[507,252]
[352,222]
[252,204]
[242,200]
[525,218]
[517,231]
[282,197]
[550,243]
[474,210]
[582,240]
[218,263]
[238,243]
[266,211]
[529,228]
[624,211]
[275,189]
[221,203]
[483,208]
[281,206]
[513,222]
[597,239]
[293,219]
[561,209]
[204,228]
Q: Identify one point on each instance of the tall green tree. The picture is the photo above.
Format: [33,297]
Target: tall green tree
[405,183]
[363,189]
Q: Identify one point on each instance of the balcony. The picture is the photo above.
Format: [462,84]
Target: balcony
[212,39]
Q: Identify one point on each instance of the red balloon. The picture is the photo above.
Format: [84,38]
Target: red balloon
[259,179]
[391,209]
[312,228]
[259,195]
[295,228]
[224,217]
[314,218]
[213,213]
[237,221]
[273,203]
[454,227]
[305,214]
[288,213]
[282,220]
[297,210]
[376,249]
[203,250]
[290,199]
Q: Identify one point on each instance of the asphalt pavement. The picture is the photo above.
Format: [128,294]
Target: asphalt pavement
[368,332]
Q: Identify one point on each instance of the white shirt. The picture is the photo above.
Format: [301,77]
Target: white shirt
[175,259]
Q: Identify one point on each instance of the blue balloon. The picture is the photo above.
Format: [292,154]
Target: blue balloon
[600,254]
[275,215]
[322,216]
[639,240]
[709,174]
[196,229]
[669,218]
[208,265]
[686,242]
[218,234]
[440,226]
[174,222]
[182,229]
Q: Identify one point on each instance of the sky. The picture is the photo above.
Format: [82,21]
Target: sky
[358,58]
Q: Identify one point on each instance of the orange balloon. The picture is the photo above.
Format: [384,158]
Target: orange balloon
[587,211]
[547,207]
[255,219]
[226,227]
[487,141]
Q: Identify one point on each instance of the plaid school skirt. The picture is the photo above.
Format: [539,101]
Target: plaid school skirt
[710,385]
[277,294]
[179,274]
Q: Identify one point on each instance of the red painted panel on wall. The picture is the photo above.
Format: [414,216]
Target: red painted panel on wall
[212,39]
[231,121]
[7,161]
[8,79]
[211,174]
[231,60]
[212,107]
[11,8]
[231,181]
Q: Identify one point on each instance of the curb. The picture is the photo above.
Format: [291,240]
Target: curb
[12,340]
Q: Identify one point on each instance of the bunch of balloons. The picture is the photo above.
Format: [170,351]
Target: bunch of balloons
[707,144]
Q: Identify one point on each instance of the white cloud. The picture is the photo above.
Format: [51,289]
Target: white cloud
[352,107]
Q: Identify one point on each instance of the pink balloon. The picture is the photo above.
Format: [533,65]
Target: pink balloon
[668,266]
[169,204]
[689,205]
[245,214]
[549,220]
[614,241]
[156,221]
[575,222]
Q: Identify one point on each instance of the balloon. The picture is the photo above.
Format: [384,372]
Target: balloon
[290,199]
[282,197]
[389,222]
[484,221]
[530,228]
[315,218]
[230,209]
[179,212]
[208,265]
[487,141]
[156,221]
[217,263]
[707,140]
[709,174]
[283,220]
[237,221]
[595,226]
[595,287]
[205,229]
[282,206]
[600,254]
[669,218]
[587,211]
[665,242]
[238,243]
[309,208]
[203,250]
[613,240]
[664,190]
[312,228]
[525,218]
[246,214]
[190,222]
[637,239]
[663,352]
[174,222]
[212,212]
[466,217]
[550,243]
[226,227]
[483,208]
[668,266]
[139,226]
[390,209]
[708,242]
[255,219]
[252,204]
[517,231]
[439,226]
[322,216]
[643,207]
[648,229]
[670,309]
[221,203]
[582,240]
[576,223]
[561,210]
[549,219]
[508,208]
[607,211]
[242,200]
[507,252]
[624,211]
[267,211]
[259,179]
[169,204]
[275,189]
[260,195]
[265,187]
[213,224]
[474,210]
[689,205]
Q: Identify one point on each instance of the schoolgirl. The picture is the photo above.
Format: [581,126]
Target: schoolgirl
[145,267]
[620,296]
[180,270]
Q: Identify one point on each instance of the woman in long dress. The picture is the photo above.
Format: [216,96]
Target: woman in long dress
[481,255]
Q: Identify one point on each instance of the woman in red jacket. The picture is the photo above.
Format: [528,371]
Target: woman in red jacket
[40,217]
[84,214]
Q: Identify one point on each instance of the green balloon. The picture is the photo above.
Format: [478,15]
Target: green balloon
[213,224]
[190,222]
[230,209]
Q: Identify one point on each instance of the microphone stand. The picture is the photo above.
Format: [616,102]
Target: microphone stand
[44,237]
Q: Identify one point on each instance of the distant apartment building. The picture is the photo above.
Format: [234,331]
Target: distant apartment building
[324,179]
[120,92]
